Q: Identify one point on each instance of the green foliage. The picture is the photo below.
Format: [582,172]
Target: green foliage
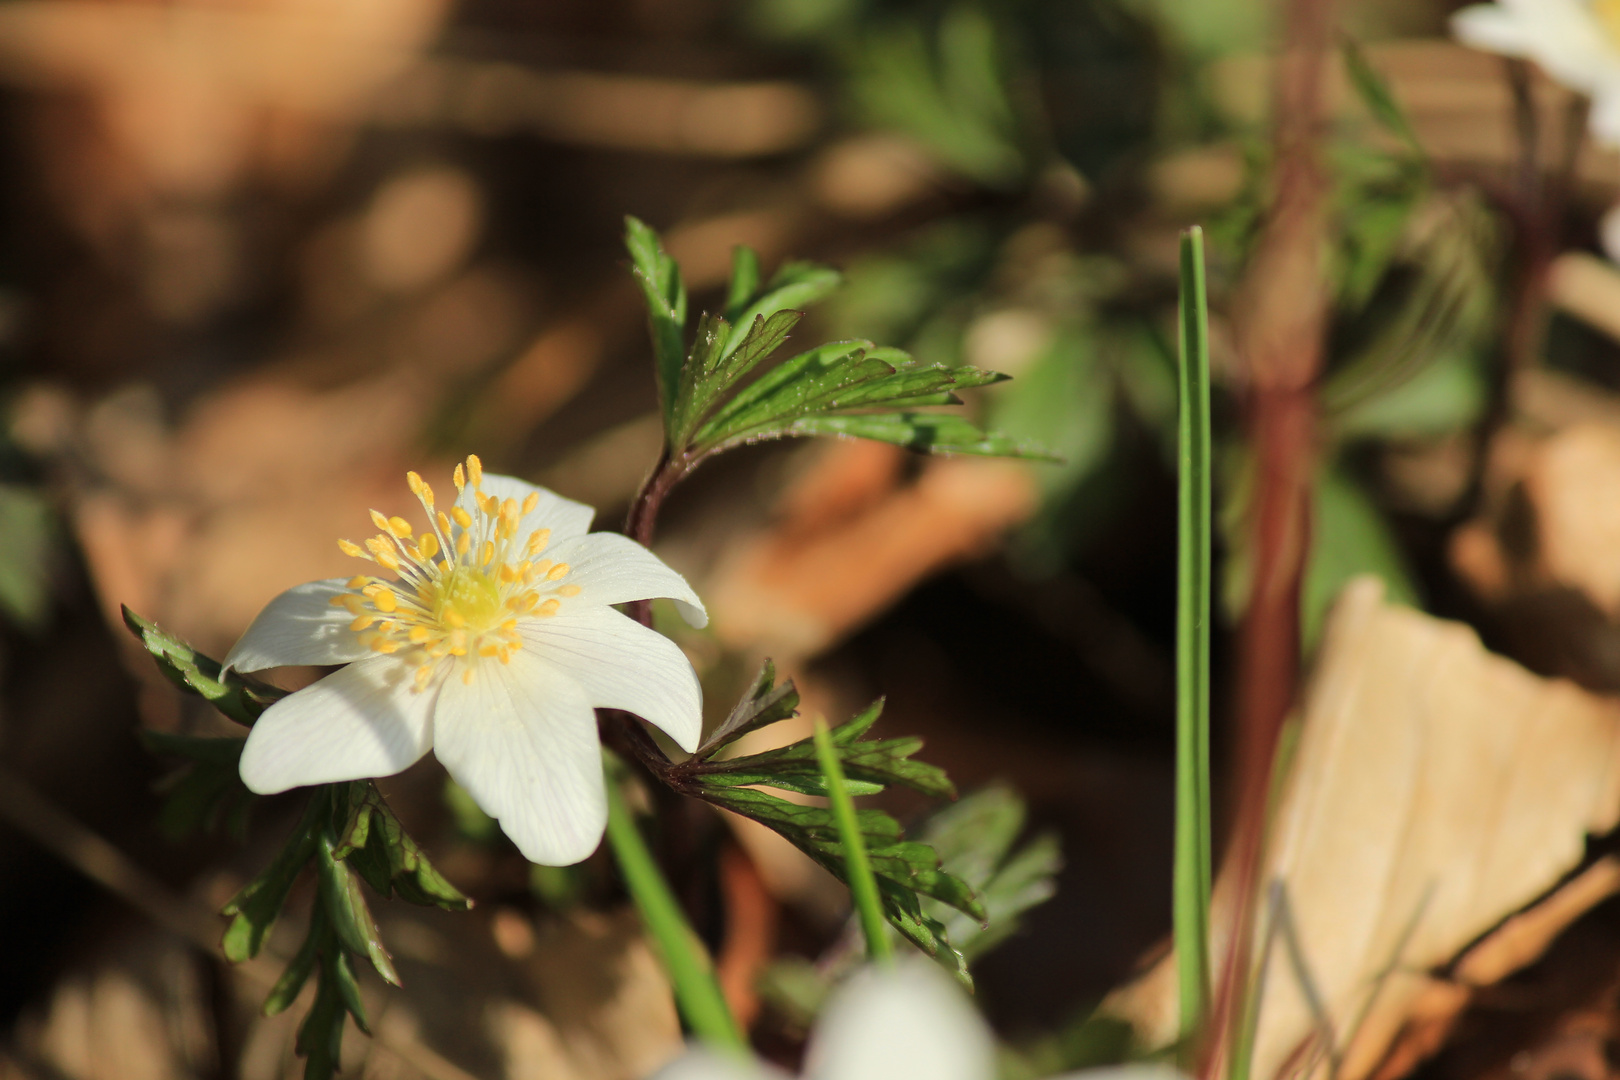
[946,86]
[347,832]
[1349,537]
[863,887]
[906,870]
[26,530]
[204,792]
[851,389]
[975,837]
[236,696]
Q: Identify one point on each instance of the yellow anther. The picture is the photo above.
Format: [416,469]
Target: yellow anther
[509,626]
[486,553]
[509,508]
[379,519]
[459,477]
[400,527]
[359,581]
[339,600]
[491,506]
[569,590]
[385,645]
[444,523]
[413,481]
[463,518]
[509,573]
[428,546]
[531,502]
[423,674]
[387,559]
[549,607]
[385,600]
[352,602]
[540,568]
[558,572]
[475,469]
[419,634]
[488,650]
[467,677]
[538,541]
[351,549]
[505,655]
[362,623]
[454,618]
[463,543]
[426,495]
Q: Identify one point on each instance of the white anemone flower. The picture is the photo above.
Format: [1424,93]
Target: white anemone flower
[491,640]
[910,1020]
[1576,42]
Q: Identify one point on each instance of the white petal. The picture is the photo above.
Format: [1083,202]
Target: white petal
[1605,125]
[364,720]
[301,626]
[1142,1071]
[564,517]
[910,1020]
[1609,233]
[621,664]
[614,569]
[1492,28]
[522,740]
[704,1064]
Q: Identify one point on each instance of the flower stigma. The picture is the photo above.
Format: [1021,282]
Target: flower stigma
[461,587]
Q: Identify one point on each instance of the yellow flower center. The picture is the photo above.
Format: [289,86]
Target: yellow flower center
[462,585]
[1608,16]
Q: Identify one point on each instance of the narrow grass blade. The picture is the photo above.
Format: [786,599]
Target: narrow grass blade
[1192,842]
[697,993]
[863,885]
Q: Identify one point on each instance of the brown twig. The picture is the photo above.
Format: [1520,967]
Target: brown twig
[1283,320]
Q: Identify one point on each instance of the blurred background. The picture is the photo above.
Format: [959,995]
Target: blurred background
[259,257]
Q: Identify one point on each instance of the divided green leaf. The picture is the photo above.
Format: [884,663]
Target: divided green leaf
[765,703]
[240,698]
[206,790]
[665,294]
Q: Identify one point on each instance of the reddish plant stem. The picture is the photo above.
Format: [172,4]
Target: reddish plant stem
[1282,321]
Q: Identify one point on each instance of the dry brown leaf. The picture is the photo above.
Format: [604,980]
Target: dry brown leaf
[1436,789]
[849,548]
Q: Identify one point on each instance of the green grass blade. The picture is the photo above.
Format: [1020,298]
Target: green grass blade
[863,885]
[1192,843]
[697,992]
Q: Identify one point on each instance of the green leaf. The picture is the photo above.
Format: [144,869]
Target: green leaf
[413,877]
[765,703]
[869,765]
[665,294]
[745,274]
[1376,95]
[794,387]
[296,974]
[239,698]
[863,886]
[931,433]
[345,906]
[27,529]
[320,1036]
[796,285]
[209,787]
[338,969]
[974,838]
[253,910]
[904,868]
[711,371]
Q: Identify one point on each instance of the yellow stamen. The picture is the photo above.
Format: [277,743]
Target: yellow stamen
[400,527]
[467,677]
[385,600]
[428,546]
[475,469]
[444,523]
[362,623]
[486,553]
[459,477]
[358,581]
[557,572]
[569,590]
[454,618]
[509,573]
[549,607]
[531,502]
[538,541]
[419,634]
[463,518]
[351,549]
[463,543]
[384,645]
[423,674]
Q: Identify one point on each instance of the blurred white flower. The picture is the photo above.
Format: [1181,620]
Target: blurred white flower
[893,1024]
[1576,42]
[491,641]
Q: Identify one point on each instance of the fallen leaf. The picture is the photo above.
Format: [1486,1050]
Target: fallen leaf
[1436,790]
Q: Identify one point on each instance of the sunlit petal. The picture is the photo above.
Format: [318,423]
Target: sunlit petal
[613,569]
[301,626]
[521,738]
[621,664]
[910,1020]
[365,720]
